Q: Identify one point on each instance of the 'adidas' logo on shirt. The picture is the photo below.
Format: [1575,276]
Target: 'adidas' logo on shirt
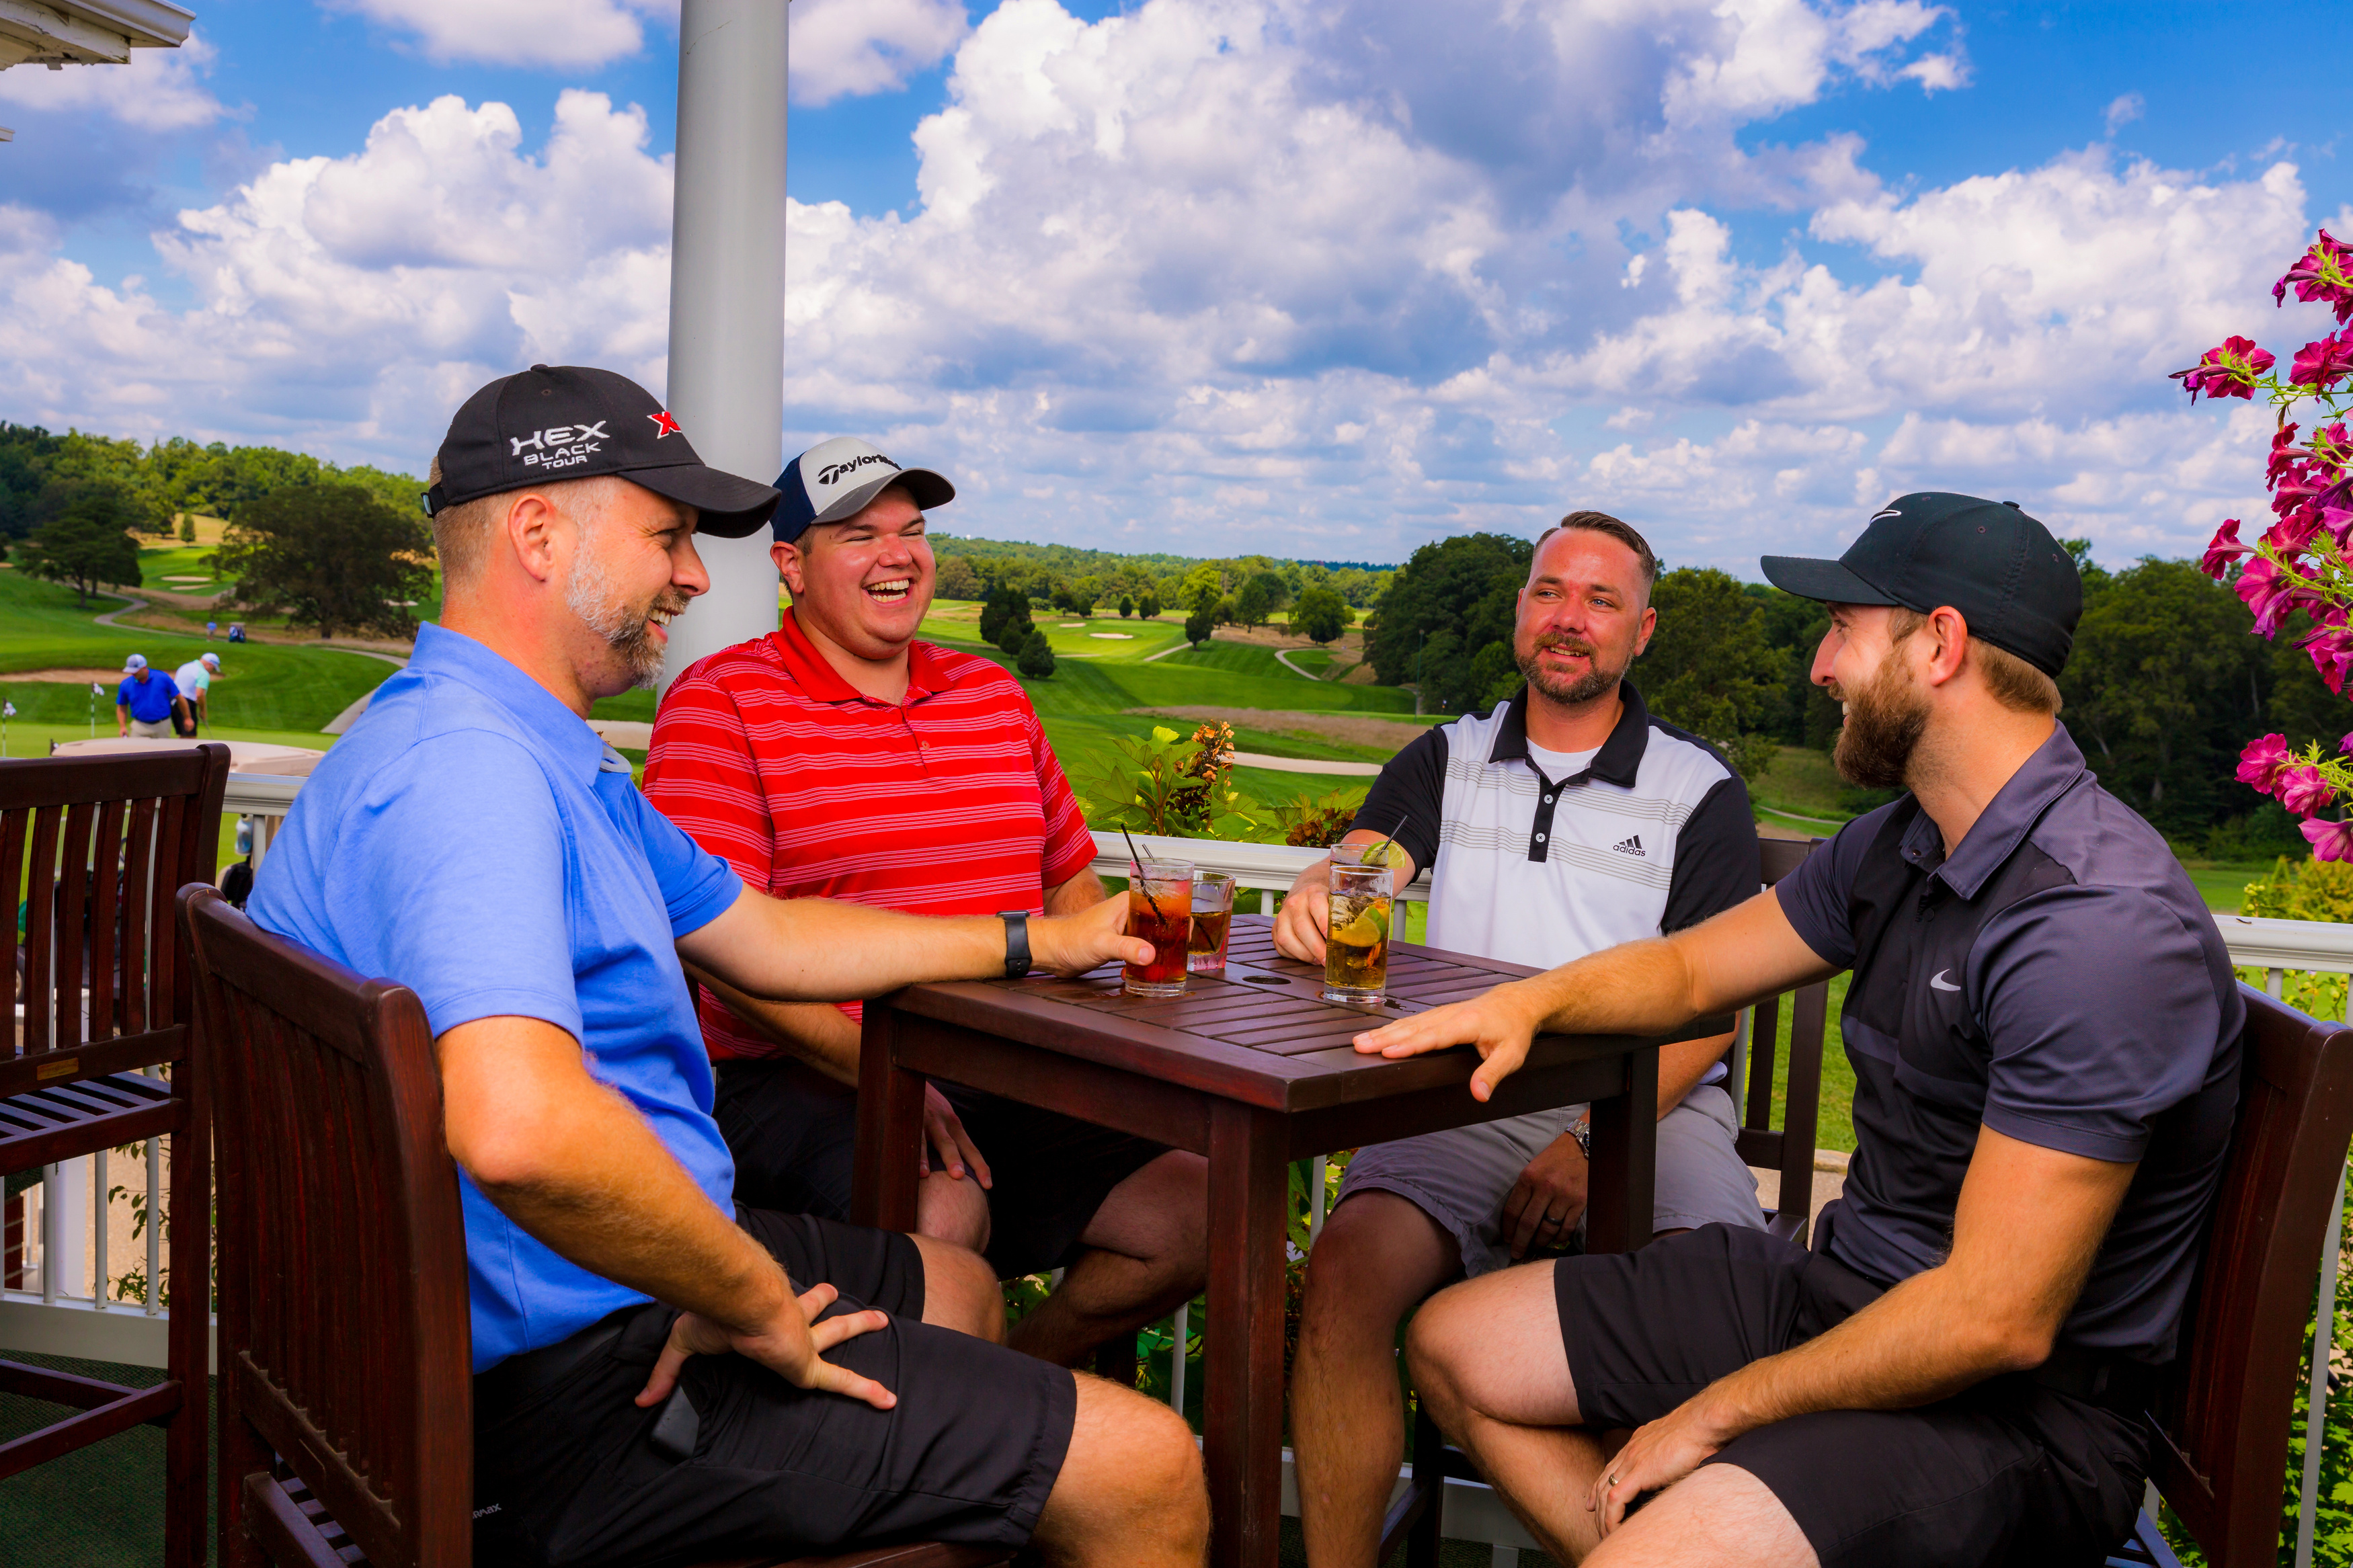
[1631,846]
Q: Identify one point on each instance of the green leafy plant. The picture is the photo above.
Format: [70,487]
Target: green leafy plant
[1172,785]
[1318,822]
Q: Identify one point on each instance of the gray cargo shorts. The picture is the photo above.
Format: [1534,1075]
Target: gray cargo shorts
[1460,1177]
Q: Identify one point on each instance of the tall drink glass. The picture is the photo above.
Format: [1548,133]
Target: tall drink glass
[1213,917]
[1160,910]
[1357,952]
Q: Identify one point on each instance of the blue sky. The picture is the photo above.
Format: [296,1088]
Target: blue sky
[1328,279]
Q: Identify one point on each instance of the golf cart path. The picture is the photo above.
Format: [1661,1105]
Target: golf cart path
[1282,658]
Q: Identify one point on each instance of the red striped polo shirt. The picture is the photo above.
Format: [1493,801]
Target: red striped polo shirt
[950,803]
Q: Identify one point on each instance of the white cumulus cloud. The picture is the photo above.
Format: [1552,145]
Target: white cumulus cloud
[547,33]
[158,89]
[1324,276]
[843,48]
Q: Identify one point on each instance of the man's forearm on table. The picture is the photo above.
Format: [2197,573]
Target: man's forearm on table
[827,949]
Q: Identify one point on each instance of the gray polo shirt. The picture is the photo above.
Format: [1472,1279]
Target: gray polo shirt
[2058,980]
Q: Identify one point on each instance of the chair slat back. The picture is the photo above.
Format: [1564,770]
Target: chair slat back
[344,1343]
[2225,1411]
[95,847]
[1789,1149]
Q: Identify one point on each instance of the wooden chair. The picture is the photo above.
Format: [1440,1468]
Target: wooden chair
[101,987]
[345,1348]
[1415,1519]
[2224,1412]
[1790,1151]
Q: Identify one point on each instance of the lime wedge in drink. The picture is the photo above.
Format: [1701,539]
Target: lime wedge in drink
[1370,924]
[1390,853]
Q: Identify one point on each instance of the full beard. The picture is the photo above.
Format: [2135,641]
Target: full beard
[1567,691]
[626,628]
[1884,721]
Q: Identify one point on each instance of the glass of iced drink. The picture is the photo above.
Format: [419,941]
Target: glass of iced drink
[1213,917]
[1160,910]
[1357,950]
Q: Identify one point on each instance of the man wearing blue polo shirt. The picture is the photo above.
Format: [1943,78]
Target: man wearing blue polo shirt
[659,1374]
[146,702]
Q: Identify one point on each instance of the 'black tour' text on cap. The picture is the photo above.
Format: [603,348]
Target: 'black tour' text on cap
[575,422]
[2013,583]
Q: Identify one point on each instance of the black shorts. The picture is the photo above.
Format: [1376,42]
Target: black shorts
[566,1471]
[794,1135]
[2011,1471]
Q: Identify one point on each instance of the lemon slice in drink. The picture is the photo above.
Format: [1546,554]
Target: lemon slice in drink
[1388,852]
[1371,925]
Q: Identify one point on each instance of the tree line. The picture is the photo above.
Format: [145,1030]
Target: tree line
[2165,681]
[335,548]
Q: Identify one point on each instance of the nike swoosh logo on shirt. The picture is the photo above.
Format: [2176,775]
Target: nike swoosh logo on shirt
[1937,982]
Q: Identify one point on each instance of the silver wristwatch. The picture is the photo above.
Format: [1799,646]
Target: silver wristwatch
[1582,1131]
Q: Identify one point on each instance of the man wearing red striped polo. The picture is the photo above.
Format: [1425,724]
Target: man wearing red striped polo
[841,758]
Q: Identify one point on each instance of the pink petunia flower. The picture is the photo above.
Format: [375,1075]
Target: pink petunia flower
[2261,764]
[2329,840]
[2224,549]
[2302,790]
[2322,363]
[2324,273]
[2270,594]
[2229,371]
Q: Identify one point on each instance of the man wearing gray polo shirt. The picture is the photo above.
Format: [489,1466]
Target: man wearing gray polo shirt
[1565,821]
[2044,1030]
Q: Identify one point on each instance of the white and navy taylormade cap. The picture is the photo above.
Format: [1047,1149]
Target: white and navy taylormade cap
[837,479]
[576,422]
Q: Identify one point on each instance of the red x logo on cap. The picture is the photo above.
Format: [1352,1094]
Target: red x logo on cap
[664,425]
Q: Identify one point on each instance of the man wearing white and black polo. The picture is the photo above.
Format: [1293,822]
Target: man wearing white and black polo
[2045,1031]
[1565,821]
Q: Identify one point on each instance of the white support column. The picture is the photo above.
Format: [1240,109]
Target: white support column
[727,291]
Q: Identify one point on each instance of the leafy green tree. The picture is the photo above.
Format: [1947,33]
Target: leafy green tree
[2162,686]
[84,537]
[1710,667]
[1258,599]
[1454,598]
[1147,605]
[334,556]
[959,579]
[187,528]
[1321,614]
[1037,657]
[1005,618]
[1126,607]
[1198,626]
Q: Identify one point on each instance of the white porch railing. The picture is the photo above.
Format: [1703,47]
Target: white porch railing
[75,1224]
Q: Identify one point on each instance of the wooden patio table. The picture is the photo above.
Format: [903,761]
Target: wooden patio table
[1252,1069]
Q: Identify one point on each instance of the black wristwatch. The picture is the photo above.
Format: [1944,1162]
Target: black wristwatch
[1017,942]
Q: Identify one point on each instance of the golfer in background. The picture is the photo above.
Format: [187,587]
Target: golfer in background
[195,679]
[146,702]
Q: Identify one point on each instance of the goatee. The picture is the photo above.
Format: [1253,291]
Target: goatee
[1595,683]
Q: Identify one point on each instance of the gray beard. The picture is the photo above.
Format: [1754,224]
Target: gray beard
[592,595]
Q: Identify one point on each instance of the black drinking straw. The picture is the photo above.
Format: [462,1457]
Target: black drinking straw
[1156,913]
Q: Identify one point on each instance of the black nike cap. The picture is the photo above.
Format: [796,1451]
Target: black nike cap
[2013,583]
[576,422]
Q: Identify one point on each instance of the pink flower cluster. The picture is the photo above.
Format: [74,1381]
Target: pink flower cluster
[2302,563]
[2323,273]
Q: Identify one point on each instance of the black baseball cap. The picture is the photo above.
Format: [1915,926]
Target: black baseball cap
[835,480]
[2013,583]
[576,422]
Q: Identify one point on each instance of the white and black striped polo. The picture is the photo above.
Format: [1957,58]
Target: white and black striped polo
[1653,835]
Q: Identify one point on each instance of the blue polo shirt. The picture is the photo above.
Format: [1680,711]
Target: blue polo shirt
[472,839]
[150,701]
